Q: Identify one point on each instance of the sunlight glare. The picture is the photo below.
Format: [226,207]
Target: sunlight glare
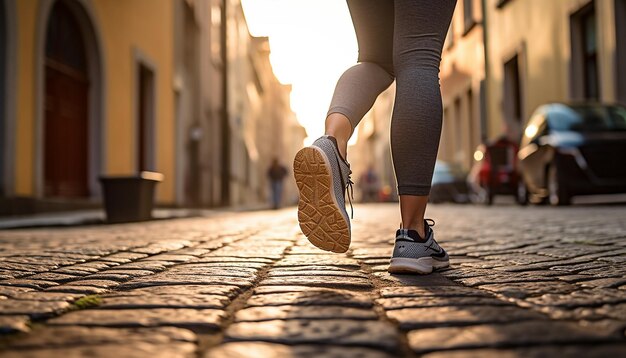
[312,42]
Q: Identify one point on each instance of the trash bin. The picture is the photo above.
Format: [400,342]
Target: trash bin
[129,198]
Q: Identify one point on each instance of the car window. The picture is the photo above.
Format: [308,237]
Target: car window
[587,118]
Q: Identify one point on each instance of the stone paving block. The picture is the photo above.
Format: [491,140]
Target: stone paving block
[136,350]
[249,253]
[193,251]
[529,289]
[433,301]
[157,248]
[322,260]
[154,266]
[95,283]
[544,265]
[519,334]
[34,309]
[170,257]
[153,317]
[595,297]
[574,278]
[374,334]
[283,289]
[458,272]
[316,281]
[46,296]
[62,336]
[13,323]
[53,276]
[376,262]
[35,284]
[285,312]
[262,349]
[409,318]
[132,273]
[314,296]
[609,282]
[165,279]
[15,266]
[123,257]
[213,271]
[226,265]
[569,351]
[319,273]
[509,277]
[434,279]
[430,291]
[223,290]
[11,291]
[223,259]
[180,300]
[109,277]
[372,253]
[83,290]
[605,270]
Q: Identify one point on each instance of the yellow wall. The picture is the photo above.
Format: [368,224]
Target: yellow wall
[123,26]
[145,25]
[540,31]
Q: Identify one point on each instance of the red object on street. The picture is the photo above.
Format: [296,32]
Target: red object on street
[494,171]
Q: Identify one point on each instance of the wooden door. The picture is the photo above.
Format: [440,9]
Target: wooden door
[66,129]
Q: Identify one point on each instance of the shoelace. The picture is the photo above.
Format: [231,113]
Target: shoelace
[350,195]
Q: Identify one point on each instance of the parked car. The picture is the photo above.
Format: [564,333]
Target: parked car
[494,172]
[574,149]
[448,184]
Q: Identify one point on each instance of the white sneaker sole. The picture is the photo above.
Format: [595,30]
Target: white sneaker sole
[422,265]
[321,219]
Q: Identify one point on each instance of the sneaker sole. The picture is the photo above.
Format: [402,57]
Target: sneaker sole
[423,265]
[320,217]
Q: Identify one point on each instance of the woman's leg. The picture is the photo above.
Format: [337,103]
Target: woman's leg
[419,33]
[358,88]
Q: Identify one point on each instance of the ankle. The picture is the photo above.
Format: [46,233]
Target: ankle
[421,231]
[343,148]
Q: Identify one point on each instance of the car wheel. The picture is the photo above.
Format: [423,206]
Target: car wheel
[522,192]
[557,194]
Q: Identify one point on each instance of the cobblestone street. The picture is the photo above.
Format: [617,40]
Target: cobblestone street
[531,282]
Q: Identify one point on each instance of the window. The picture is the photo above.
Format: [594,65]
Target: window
[458,132]
[590,49]
[502,3]
[584,70]
[620,30]
[469,16]
[512,91]
[145,118]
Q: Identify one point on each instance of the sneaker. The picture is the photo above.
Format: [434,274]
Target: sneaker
[323,176]
[413,254]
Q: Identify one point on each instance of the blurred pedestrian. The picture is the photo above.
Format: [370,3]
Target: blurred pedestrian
[398,40]
[369,185]
[276,174]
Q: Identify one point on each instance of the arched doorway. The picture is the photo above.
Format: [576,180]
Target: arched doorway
[66,106]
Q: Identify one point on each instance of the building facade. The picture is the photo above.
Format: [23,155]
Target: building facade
[88,93]
[532,52]
[92,88]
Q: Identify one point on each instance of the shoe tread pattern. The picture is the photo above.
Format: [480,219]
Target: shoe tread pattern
[321,220]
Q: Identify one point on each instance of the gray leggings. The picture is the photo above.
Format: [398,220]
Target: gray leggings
[401,40]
